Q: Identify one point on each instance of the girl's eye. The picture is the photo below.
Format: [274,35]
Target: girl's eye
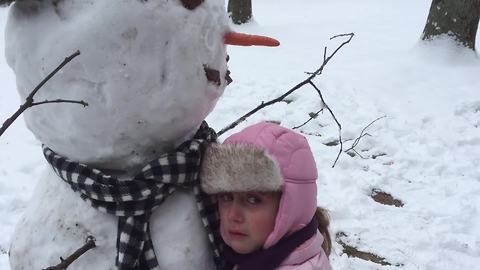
[252,199]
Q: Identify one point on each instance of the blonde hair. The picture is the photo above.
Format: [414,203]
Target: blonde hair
[321,214]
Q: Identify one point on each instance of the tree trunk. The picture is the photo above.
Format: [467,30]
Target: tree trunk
[240,10]
[456,18]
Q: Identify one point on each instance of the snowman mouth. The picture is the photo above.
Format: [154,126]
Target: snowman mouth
[191,4]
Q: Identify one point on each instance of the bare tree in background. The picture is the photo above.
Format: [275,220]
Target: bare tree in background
[240,10]
[456,18]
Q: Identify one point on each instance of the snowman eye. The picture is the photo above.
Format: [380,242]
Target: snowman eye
[191,4]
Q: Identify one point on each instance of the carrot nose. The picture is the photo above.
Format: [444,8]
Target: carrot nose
[239,39]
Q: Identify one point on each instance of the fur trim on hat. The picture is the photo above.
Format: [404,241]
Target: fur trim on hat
[239,168]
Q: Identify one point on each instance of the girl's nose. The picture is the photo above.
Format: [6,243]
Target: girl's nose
[236,213]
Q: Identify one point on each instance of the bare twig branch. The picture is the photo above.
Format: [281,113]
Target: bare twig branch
[29,102]
[65,263]
[357,153]
[334,118]
[81,102]
[296,87]
[261,106]
[341,35]
[362,134]
[320,70]
[313,116]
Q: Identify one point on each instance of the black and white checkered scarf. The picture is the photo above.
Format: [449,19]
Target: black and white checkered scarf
[133,201]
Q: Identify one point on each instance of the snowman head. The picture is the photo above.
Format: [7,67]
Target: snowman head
[142,70]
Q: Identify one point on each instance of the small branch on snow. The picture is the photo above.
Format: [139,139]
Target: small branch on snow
[65,263]
[309,80]
[29,101]
[362,134]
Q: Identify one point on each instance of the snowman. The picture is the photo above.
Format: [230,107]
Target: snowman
[123,170]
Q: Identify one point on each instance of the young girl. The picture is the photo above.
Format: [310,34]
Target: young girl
[265,181]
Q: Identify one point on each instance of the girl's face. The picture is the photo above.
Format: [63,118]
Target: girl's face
[247,218]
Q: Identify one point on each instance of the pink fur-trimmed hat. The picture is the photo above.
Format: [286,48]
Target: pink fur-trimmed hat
[266,157]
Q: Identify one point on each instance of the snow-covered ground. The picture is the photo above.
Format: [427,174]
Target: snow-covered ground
[428,145]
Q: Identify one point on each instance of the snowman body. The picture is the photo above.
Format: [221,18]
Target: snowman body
[142,72]
[57,222]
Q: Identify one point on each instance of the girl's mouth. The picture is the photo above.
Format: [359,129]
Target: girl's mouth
[237,234]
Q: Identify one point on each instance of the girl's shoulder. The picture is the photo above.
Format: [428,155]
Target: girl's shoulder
[309,256]
[315,263]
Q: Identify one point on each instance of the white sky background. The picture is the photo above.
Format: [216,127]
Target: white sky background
[431,134]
